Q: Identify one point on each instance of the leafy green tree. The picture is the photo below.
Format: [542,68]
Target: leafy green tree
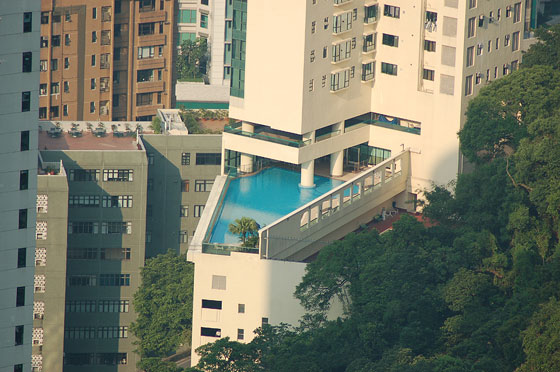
[541,340]
[192,59]
[247,229]
[163,303]
[546,51]
[156,125]
[224,355]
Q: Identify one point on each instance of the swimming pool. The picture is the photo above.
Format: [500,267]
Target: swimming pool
[265,197]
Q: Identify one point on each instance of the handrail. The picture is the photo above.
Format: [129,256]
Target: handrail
[282,141]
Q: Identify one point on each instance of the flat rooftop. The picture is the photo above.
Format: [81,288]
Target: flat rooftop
[87,141]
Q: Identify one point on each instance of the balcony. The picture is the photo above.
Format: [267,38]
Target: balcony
[267,134]
[152,16]
[150,86]
[370,14]
[148,40]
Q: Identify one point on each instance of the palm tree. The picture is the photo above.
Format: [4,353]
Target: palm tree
[247,229]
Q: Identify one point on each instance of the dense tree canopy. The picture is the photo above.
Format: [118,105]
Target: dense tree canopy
[164,307]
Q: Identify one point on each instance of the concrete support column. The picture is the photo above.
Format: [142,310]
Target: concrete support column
[247,160]
[307,174]
[337,162]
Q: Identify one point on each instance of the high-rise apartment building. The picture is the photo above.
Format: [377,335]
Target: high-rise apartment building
[345,84]
[19,76]
[210,20]
[107,201]
[105,60]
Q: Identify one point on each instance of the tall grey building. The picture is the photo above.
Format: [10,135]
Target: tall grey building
[19,79]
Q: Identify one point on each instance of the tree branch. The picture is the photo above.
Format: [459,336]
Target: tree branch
[528,188]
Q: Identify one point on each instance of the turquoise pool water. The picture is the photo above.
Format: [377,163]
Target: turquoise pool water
[265,196]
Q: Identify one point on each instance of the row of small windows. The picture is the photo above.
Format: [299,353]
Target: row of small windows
[482,20]
[202,158]
[105,359]
[102,280]
[113,227]
[89,333]
[105,201]
[476,79]
[184,210]
[119,175]
[341,79]
[513,39]
[98,306]
[113,254]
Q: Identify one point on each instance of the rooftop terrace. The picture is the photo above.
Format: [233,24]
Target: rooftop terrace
[86,141]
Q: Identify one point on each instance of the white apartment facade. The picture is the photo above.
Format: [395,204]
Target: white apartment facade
[329,76]
[211,20]
[19,83]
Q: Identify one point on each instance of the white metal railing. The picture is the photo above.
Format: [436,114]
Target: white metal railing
[313,221]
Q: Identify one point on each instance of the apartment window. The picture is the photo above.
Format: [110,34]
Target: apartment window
[186,158]
[489,46]
[497,43]
[210,332]
[340,80]
[370,13]
[44,18]
[211,158]
[22,257]
[478,78]
[117,201]
[144,75]
[114,280]
[120,175]
[342,22]
[55,40]
[93,60]
[515,41]
[26,63]
[241,308]
[19,335]
[54,64]
[198,209]
[80,306]
[313,27]
[54,112]
[428,74]
[112,332]
[341,51]
[506,40]
[514,65]
[25,101]
[23,179]
[92,107]
[184,212]
[469,85]
[146,52]
[240,334]
[472,4]
[146,29]
[82,253]
[20,296]
[83,175]
[389,68]
[391,40]
[43,65]
[326,23]
[22,221]
[43,89]
[24,140]
[147,5]
[67,40]
[93,84]
[64,110]
[470,56]
[264,321]
[105,37]
[479,49]
[79,333]
[66,86]
[94,36]
[113,306]
[516,12]
[471,25]
[42,112]
[94,13]
[203,185]
[508,11]
[392,11]
[203,20]
[82,227]
[187,16]
[183,237]
[429,46]
[143,99]
[27,21]
[44,42]
[204,2]
[66,63]
[368,71]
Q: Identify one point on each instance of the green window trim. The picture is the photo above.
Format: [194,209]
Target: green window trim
[187,16]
